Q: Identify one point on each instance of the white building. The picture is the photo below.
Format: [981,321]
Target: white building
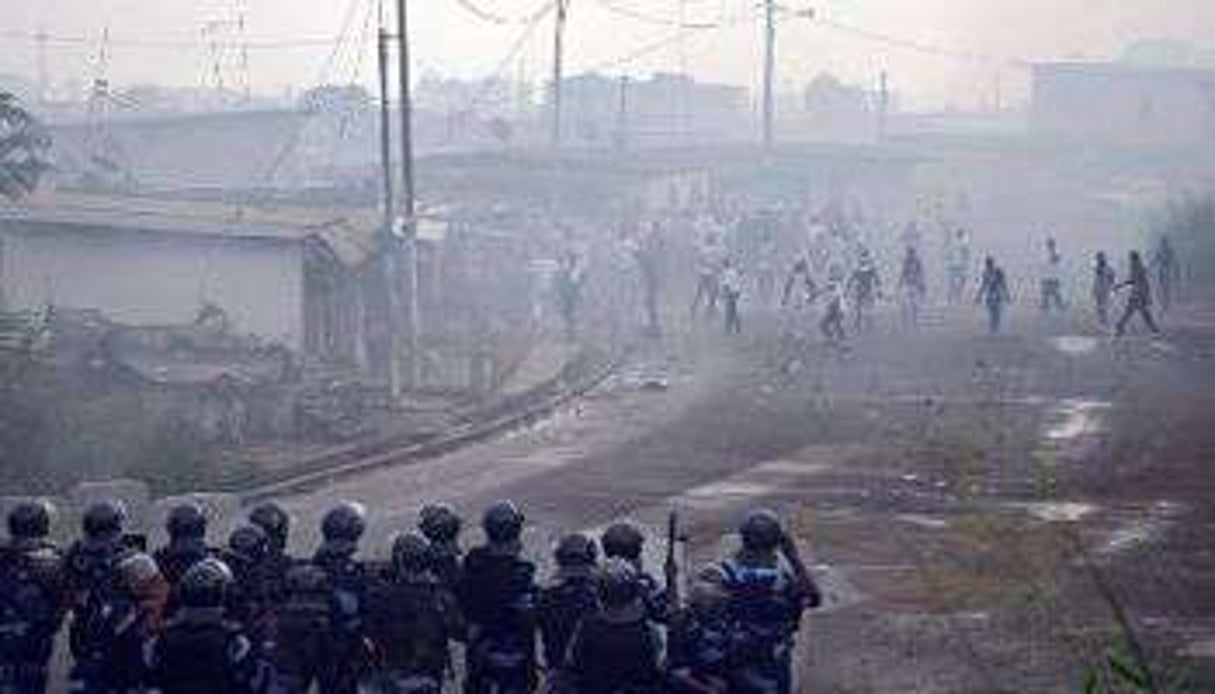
[286,278]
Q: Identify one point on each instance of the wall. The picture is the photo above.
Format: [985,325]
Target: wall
[155,279]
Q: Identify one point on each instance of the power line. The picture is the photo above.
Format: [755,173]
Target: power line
[646,18]
[910,44]
[175,43]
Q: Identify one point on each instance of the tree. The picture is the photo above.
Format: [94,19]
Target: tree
[24,145]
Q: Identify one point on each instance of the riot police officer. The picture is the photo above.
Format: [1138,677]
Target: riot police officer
[275,522]
[698,643]
[200,651]
[498,593]
[186,526]
[345,658]
[250,597]
[441,525]
[31,599]
[412,621]
[106,614]
[617,648]
[573,594]
[625,541]
[764,606]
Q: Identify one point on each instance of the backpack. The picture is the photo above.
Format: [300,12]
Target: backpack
[29,611]
[411,625]
[562,606]
[105,613]
[761,609]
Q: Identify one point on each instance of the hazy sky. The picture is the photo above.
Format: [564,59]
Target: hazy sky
[162,40]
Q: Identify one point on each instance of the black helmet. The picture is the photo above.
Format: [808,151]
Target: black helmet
[345,522]
[576,549]
[249,541]
[104,518]
[439,522]
[622,540]
[186,521]
[411,552]
[618,583]
[761,531]
[503,522]
[271,518]
[29,520]
[205,584]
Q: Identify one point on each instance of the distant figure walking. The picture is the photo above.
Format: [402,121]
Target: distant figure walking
[864,287]
[1052,279]
[994,294]
[1168,273]
[1104,281]
[912,287]
[1139,301]
[832,324]
[731,291]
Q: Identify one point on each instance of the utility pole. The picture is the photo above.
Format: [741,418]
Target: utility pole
[769,68]
[558,67]
[410,274]
[43,71]
[622,114]
[389,245]
[883,104]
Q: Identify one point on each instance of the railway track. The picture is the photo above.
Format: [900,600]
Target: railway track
[582,375]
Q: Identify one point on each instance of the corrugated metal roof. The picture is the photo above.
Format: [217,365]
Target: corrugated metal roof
[350,234]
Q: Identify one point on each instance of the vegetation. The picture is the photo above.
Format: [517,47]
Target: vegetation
[24,145]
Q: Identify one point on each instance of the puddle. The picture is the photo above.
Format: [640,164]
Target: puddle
[1075,418]
[1143,530]
[1075,345]
[923,521]
[1060,511]
[1200,649]
[792,467]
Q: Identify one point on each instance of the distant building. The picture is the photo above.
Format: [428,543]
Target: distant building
[295,279]
[1120,103]
[665,109]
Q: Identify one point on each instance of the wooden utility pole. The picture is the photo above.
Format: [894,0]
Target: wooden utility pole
[410,275]
[390,246]
[622,114]
[883,104]
[769,68]
[558,68]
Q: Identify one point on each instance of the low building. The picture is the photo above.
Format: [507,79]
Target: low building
[295,278]
[1124,104]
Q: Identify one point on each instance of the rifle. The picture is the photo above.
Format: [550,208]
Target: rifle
[671,566]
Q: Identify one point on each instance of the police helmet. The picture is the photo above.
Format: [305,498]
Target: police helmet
[503,522]
[205,584]
[618,583]
[622,540]
[761,531]
[345,522]
[186,521]
[411,552]
[576,549]
[138,569]
[250,542]
[30,520]
[439,522]
[104,518]
[271,518]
